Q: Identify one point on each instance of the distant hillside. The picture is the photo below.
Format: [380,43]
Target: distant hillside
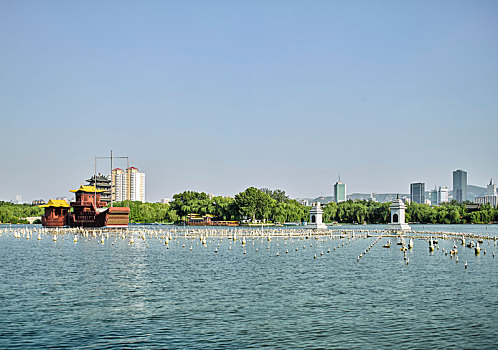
[379,197]
[323,200]
[473,192]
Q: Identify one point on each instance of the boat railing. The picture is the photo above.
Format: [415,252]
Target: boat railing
[87,204]
[84,217]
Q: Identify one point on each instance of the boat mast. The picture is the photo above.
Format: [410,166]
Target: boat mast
[111,181]
[112,159]
[95,184]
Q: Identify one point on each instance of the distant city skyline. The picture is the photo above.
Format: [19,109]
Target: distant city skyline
[427,192]
[200,98]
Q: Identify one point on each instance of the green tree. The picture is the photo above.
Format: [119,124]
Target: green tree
[247,202]
[278,195]
[190,202]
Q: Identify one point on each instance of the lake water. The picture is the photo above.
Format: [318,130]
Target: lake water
[117,295]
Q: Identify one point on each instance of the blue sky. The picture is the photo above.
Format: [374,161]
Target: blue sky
[217,96]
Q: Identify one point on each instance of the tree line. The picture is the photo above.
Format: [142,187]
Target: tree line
[379,213]
[252,204]
[14,213]
[275,206]
[451,213]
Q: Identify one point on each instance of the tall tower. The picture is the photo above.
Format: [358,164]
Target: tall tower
[417,192]
[339,191]
[118,185]
[135,185]
[460,185]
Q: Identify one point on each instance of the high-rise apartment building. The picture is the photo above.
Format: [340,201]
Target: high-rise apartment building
[128,185]
[460,185]
[135,182]
[339,191]
[417,192]
[118,185]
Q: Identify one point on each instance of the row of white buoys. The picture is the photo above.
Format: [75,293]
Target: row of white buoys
[368,249]
[291,239]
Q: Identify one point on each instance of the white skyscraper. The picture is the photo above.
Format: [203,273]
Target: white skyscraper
[128,186]
[135,185]
[118,185]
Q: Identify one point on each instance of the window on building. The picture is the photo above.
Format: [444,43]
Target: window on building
[313,219]
[395,218]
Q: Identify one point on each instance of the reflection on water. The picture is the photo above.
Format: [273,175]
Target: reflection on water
[117,295]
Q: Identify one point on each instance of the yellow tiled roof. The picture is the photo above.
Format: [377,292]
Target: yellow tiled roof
[84,188]
[55,203]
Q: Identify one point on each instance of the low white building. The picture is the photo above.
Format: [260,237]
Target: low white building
[397,208]
[490,197]
[316,217]
[304,202]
